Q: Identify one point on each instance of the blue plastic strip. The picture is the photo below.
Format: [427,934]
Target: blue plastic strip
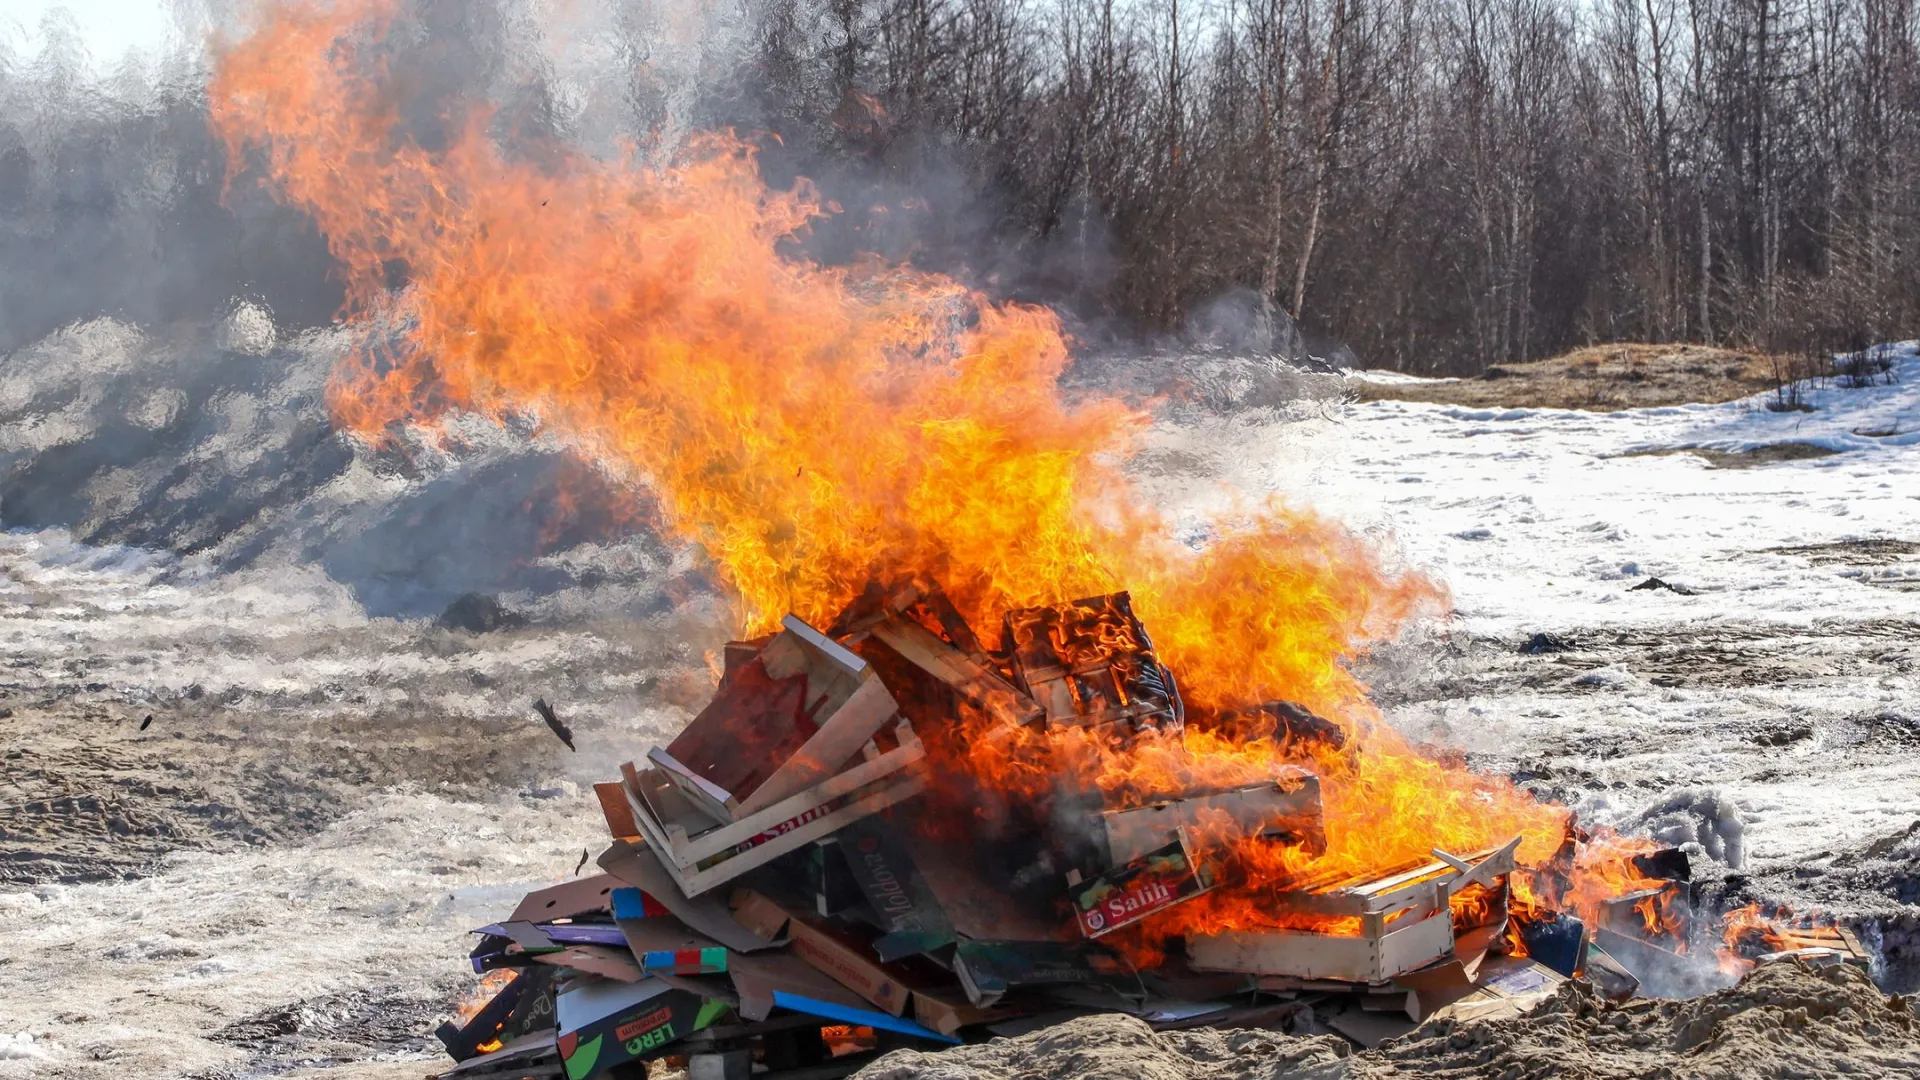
[863,1017]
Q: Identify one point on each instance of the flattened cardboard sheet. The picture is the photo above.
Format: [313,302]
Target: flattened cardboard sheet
[567,900]
[640,868]
[601,960]
[908,910]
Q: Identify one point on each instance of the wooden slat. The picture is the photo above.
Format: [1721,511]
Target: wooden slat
[980,687]
[694,882]
[836,743]
[1304,955]
[686,852]
[1401,889]
[1256,809]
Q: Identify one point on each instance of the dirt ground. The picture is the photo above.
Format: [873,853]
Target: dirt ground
[1600,378]
[1785,1020]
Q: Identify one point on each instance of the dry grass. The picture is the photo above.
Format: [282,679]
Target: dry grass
[1599,378]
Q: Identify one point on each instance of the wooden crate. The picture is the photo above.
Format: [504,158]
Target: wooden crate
[700,855]
[1362,958]
[956,673]
[781,722]
[1286,807]
[1090,663]
[1813,942]
[1406,922]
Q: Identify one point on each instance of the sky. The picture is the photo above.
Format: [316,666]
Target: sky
[110,27]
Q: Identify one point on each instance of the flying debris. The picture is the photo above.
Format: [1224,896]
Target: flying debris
[546,713]
[144,724]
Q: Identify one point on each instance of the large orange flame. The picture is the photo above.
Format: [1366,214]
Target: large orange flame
[811,429]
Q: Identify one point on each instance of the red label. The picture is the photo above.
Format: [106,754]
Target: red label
[1137,902]
[643,1025]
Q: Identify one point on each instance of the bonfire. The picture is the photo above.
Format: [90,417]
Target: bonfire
[968,646]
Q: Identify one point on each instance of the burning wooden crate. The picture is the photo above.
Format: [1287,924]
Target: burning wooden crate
[765,768]
[945,680]
[1091,663]
[701,853]
[782,721]
[1285,809]
[1762,937]
[1405,921]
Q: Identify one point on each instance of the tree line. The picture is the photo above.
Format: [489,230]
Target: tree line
[1441,185]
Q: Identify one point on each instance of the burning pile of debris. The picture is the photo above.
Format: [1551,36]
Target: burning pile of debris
[871,837]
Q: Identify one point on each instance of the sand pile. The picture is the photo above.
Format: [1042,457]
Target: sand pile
[1784,1020]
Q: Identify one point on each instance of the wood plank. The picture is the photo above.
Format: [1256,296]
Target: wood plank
[1408,948]
[1290,804]
[838,740]
[711,874]
[973,682]
[712,800]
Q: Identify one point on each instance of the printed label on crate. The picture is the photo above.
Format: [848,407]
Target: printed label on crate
[1153,882]
[805,817]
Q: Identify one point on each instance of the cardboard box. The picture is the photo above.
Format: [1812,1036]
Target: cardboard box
[567,900]
[989,969]
[909,912]
[1506,986]
[604,1024]
[665,946]
[639,868]
[1152,883]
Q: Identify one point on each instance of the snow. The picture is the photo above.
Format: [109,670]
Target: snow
[1746,719]
[1521,511]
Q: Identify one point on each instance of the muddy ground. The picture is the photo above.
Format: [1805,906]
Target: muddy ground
[1601,378]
